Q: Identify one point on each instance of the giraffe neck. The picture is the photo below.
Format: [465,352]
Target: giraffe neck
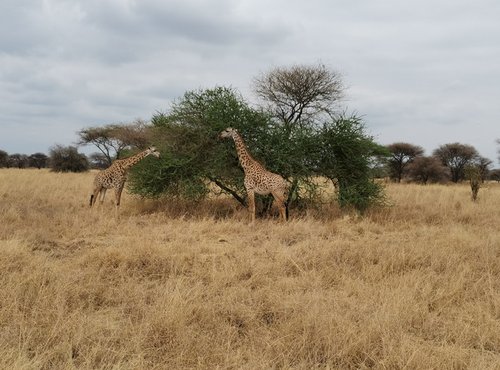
[246,159]
[129,162]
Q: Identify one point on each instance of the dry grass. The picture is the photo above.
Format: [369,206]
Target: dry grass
[414,286]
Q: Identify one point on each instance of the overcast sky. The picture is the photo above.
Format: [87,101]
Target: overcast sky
[425,72]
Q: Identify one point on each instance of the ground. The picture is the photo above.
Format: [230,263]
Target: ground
[176,285]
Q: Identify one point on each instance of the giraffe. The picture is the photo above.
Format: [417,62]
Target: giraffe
[257,178]
[114,176]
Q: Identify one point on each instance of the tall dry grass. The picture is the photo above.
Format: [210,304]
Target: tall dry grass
[175,285]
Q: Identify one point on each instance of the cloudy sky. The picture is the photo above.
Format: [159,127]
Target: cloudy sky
[425,72]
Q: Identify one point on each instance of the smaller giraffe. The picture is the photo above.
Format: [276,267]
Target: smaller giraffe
[257,178]
[114,176]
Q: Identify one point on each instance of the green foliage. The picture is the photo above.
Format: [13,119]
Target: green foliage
[345,156]
[170,175]
[294,155]
[192,155]
[67,159]
[193,158]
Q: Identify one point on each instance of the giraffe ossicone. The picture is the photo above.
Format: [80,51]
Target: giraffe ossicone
[114,176]
[257,178]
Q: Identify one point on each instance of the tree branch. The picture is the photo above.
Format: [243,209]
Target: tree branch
[229,190]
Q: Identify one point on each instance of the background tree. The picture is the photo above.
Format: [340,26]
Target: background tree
[4,159]
[427,169]
[299,94]
[112,140]
[18,160]
[38,160]
[402,154]
[67,159]
[378,165]
[456,156]
[483,166]
[495,175]
[98,161]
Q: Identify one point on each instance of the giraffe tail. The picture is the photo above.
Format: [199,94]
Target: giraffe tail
[91,198]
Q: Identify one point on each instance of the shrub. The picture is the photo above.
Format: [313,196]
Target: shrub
[345,157]
[67,159]
[427,169]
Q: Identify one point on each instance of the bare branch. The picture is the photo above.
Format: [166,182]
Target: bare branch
[299,93]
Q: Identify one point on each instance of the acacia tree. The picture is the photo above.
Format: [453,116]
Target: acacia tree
[300,93]
[38,160]
[402,154]
[192,156]
[288,139]
[18,160]
[456,156]
[114,139]
[427,169]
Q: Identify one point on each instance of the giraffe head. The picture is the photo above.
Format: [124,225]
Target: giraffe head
[228,132]
[152,150]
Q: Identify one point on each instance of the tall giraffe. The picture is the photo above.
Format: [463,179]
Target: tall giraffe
[257,178]
[114,176]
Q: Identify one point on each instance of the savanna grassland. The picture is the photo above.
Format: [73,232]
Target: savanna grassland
[173,285]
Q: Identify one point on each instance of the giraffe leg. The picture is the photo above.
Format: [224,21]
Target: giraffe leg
[251,204]
[103,194]
[118,195]
[94,195]
[280,202]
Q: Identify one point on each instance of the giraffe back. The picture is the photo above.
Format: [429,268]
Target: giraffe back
[112,177]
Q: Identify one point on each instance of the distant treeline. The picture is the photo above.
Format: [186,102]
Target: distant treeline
[60,159]
[406,161]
